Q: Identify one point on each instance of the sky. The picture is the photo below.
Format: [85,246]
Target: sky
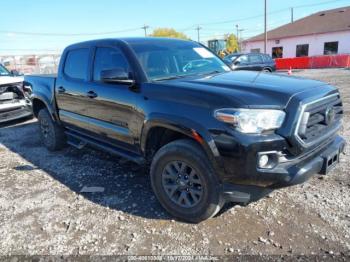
[35,26]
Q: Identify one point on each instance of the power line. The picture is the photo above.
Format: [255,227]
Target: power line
[322,3]
[250,29]
[147,27]
[73,34]
[261,15]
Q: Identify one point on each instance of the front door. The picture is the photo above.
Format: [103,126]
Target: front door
[111,109]
[242,62]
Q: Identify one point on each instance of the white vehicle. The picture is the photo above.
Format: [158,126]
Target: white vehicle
[14,102]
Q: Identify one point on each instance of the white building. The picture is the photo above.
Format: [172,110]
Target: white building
[323,33]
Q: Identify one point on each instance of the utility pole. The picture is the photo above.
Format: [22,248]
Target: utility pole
[198,28]
[240,39]
[145,27]
[265,28]
[292,14]
[237,36]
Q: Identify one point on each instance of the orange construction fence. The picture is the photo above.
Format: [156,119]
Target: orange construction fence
[309,62]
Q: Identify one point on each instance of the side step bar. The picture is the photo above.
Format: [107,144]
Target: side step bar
[79,141]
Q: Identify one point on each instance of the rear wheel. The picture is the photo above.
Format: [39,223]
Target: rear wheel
[267,70]
[184,181]
[51,133]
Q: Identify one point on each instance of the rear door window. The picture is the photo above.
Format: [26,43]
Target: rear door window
[255,59]
[76,64]
[267,58]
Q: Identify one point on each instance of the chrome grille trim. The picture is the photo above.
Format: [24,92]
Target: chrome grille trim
[330,132]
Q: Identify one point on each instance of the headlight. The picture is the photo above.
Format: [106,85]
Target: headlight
[252,121]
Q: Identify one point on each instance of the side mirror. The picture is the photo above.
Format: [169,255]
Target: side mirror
[237,63]
[116,75]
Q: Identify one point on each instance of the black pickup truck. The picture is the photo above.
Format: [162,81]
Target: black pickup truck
[208,134]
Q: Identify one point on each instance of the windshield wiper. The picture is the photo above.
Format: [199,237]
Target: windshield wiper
[212,72]
[189,75]
[169,77]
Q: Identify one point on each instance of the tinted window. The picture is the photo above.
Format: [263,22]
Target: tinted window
[331,48]
[76,64]
[267,58]
[255,59]
[108,58]
[302,50]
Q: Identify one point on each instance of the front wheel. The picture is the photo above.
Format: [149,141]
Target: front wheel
[184,182]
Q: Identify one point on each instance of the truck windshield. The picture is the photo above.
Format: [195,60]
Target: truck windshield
[177,59]
[3,71]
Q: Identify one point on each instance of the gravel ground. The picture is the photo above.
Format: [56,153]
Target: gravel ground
[42,210]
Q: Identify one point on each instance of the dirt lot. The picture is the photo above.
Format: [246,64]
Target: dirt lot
[43,212]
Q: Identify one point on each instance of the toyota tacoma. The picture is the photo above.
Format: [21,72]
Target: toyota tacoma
[208,134]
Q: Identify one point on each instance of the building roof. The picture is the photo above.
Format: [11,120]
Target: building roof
[322,22]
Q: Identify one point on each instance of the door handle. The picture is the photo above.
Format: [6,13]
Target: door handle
[91,94]
[61,89]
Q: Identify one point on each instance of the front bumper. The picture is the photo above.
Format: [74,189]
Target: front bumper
[300,169]
[292,172]
[9,112]
[238,158]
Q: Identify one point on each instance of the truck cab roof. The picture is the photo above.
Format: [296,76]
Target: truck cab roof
[129,40]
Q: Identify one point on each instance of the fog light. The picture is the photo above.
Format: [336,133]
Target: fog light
[263,161]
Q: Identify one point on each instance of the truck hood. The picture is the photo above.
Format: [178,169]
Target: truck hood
[250,89]
[4,80]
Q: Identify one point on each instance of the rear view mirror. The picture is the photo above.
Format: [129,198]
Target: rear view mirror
[116,75]
[236,63]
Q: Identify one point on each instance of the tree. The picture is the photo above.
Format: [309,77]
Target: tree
[232,44]
[168,32]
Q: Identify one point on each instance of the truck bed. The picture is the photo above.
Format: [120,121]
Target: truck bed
[41,81]
[42,85]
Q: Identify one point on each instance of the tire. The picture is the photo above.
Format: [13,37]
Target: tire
[195,201]
[51,133]
[267,70]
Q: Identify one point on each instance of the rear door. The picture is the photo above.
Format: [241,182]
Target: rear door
[71,86]
[256,62]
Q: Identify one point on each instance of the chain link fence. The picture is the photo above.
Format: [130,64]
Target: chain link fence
[32,64]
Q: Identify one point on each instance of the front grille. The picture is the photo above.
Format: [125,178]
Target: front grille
[319,119]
